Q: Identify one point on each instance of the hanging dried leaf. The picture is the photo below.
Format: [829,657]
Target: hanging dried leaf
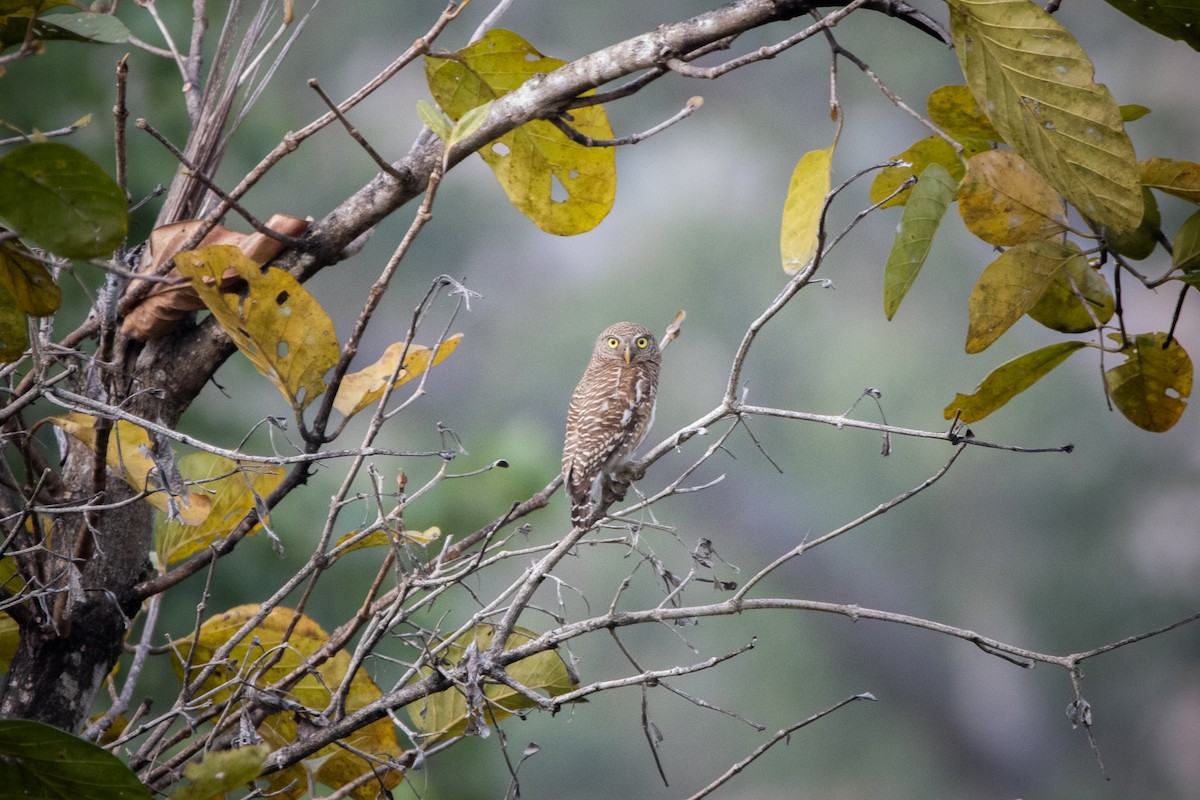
[167,303]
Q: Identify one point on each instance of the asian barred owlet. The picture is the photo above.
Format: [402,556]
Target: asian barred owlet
[610,412]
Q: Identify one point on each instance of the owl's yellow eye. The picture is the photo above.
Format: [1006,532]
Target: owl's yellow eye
[614,342]
[642,341]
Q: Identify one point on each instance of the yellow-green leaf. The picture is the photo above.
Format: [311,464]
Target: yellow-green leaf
[1010,286]
[233,489]
[1141,241]
[955,110]
[361,389]
[802,209]
[1179,178]
[27,281]
[1005,202]
[914,236]
[446,714]
[1008,380]
[1077,298]
[277,324]
[931,150]
[387,537]
[220,771]
[1186,255]
[14,329]
[562,186]
[1152,386]
[1037,86]
[133,457]
[1131,112]
[434,119]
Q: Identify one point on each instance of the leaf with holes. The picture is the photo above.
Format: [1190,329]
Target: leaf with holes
[562,186]
[802,209]
[1037,86]
[1152,386]
[1005,202]
[276,323]
[914,236]
[1008,380]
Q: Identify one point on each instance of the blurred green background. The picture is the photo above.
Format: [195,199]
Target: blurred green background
[1057,553]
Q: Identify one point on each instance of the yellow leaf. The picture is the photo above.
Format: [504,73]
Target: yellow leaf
[1011,285]
[388,537]
[361,389]
[562,186]
[1141,242]
[1037,86]
[798,237]
[446,715]
[931,150]
[134,458]
[277,324]
[1008,380]
[1152,386]
[14,329]
[1179,178]
[28,281]
[233,489]
[1005,202]
[954,110]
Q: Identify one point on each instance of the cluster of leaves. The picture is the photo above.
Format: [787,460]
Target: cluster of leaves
[1028,137]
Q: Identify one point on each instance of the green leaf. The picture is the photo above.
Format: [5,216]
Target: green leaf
[562,186]
[1141,241]
[1005,202]
[56,197]
[1152,386]
[1186,255]
[1037,85]
[42,761]
[1132,111]
[1175,19]
[278,325]
[1178,178]
[434,119]
[14,329]
[799,232]
[1011,285]
[1008,380]
[914,237]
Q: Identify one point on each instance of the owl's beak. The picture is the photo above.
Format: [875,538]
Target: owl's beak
[628,354]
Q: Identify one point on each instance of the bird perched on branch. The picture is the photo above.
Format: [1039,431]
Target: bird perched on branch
[610,412]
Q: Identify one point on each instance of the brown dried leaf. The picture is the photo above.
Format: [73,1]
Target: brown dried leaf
[167,303]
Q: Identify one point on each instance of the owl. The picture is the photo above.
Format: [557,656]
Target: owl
[610,412]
